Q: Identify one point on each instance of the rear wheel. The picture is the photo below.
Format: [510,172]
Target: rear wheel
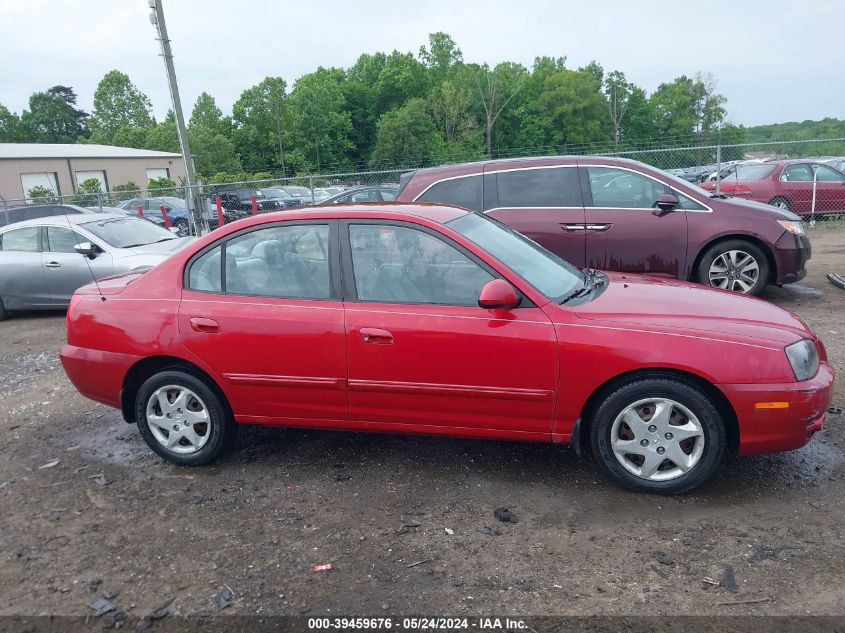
[781,203]
[736,265]
[182,419]
[658,435]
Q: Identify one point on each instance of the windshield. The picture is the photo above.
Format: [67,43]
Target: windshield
[271,192]
[128,232]
[548,273]
[299,191]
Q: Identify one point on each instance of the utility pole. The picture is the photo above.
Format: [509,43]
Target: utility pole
[192,195]
[279,133]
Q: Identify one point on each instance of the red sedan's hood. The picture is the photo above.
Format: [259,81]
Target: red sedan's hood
[638,300]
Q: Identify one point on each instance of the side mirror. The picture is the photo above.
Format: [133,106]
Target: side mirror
[498,294]
[666,202]
[87,249]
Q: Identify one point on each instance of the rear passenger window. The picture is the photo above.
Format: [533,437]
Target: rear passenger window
[462,192]
[25,239]
[541,187]
[280,261]
[206,271]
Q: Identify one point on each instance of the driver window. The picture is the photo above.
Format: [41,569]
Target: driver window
[397,264]
[623,189]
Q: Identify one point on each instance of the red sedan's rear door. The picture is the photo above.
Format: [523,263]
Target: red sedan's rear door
[422,353]
[830,190]
[271,323]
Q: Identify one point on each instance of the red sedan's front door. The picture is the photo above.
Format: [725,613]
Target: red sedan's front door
[272,327]
[422,353]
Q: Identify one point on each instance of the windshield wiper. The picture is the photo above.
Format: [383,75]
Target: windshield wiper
[592,280]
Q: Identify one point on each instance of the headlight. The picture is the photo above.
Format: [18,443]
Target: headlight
[796,228]
[803,356]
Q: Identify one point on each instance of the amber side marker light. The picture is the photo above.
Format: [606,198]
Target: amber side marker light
[771,405]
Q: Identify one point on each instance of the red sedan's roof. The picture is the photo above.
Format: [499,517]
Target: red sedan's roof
[440,213]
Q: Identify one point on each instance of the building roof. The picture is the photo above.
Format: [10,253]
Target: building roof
[75,150]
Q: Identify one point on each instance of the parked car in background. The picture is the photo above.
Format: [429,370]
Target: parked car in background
[303,194]
[258,324]
[241,200]
[837,163]
[788,184]
[379,193]
[282,197]
[176,210]
[622,215]
[44,261]
[155,219]
[31,212]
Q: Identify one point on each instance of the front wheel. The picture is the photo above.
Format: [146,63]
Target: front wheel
[182,419]
[736,265]
[658,435]
[183,227]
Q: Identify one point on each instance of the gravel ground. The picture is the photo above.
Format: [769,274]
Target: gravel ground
[87,511]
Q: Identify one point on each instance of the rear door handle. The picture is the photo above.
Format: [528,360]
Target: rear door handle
[53,265]
[376,336]
[598,227]
[208,326]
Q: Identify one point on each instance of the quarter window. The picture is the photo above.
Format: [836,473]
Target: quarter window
[462,192]
[206,272]
[826,174]
[25,239]
[397,264]
[62,240]
[556,187]
[623,189]
[280,261]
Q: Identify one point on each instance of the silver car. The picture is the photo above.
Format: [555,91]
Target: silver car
[44,261]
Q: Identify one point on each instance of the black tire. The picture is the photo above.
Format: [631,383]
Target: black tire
[781,203]
[183,226]
[702,273]
[688,396]
[3,313]
[221,427]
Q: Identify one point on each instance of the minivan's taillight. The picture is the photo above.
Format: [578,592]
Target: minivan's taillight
[73,301]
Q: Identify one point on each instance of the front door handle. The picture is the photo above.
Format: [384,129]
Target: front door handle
[573,227]
[207,326]
[598,227]
[376,336]
[53,265]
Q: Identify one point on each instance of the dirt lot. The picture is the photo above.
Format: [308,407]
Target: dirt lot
[406,522]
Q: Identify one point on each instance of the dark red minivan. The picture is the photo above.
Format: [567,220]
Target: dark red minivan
[622,215]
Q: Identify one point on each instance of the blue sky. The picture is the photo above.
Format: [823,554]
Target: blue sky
[775,61]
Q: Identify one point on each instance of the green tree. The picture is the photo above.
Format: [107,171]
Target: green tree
[450,105]
[119,107]
[40,194]
[402,78]
[259,120]
[53,117]
[441,55]
[163,186]
[687,107]
[9,125]
[572,109]
[207,115]
[497,88]
[407,136]
[88,193]
[213,151]
[319,124]
[163,136]
[126,191]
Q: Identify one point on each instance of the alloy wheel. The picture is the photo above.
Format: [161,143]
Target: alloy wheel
[178,419]
[657,439]
[734,270]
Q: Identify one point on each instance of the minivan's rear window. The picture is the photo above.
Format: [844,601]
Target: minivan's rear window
[462,192]
[751,172]
[539,187]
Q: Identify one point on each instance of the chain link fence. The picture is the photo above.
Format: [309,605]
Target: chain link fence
[807,177]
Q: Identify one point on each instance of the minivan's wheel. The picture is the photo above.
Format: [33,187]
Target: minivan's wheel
[183,227]
[3,314]
[658,435]
[781,203]
[736,265]
[182,419]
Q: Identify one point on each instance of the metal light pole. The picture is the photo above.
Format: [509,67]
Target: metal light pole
[157,20]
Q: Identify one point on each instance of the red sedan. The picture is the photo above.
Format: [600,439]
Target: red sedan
[803,187]
[435,320]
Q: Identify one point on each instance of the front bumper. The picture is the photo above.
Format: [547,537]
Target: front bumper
[771,430]
[791,254]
